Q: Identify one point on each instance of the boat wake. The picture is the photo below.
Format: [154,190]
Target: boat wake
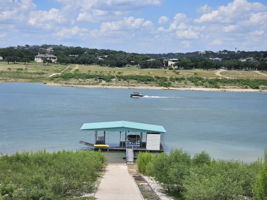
[161,97]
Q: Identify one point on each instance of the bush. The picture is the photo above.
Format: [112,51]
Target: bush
[142,162]
[167,169]
[44,175]
[204,183]
[201,177]
[260,185]
[201,159]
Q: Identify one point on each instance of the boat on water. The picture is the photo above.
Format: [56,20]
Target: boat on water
[136,95]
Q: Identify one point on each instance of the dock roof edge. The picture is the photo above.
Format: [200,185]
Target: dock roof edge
[123,126]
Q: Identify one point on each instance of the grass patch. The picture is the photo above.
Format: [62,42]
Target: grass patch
[241,74]
[130,76]
[42,175]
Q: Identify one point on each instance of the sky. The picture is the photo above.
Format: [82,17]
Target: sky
[141,26]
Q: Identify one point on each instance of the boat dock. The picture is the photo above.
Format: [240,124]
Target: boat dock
[133,137]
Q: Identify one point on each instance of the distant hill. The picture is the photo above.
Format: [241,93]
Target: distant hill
[247,60]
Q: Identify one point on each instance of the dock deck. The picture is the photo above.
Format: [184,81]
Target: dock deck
[120,148]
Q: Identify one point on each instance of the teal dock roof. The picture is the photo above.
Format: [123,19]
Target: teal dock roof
[123,126]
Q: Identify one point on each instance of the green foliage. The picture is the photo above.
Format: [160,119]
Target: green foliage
[217,83]
[205,183]
[142,162]
[200,177]
[165,84]
[260,185]
[191,60]
[167,169]
[220,180]
[44,175]
[201,159]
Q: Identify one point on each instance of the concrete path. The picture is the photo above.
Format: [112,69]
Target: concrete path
[118,184]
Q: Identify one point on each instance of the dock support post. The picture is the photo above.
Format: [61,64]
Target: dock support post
[95,137]
[125,139]
[141,139]
[104,137]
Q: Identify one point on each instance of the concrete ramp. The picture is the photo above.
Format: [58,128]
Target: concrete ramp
[118,184]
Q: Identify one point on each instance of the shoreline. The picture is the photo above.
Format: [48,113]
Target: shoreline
[155,88]
[144,87]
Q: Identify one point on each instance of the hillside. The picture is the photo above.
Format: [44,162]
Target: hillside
[131,77]
[251,60]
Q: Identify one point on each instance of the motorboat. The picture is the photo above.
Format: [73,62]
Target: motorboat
[136,95]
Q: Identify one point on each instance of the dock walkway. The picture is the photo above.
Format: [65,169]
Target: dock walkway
[118,184]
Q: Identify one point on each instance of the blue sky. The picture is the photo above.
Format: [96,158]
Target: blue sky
[146,26]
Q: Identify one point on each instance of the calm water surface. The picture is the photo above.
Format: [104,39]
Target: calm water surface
[227,125]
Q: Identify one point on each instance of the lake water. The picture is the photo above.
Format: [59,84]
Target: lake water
[227,125]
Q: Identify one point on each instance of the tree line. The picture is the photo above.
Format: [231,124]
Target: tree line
[77,55]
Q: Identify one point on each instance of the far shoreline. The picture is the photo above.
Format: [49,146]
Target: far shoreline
[155,88]
[143,87]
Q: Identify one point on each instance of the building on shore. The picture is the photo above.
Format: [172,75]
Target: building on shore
[172,62]
[40,58]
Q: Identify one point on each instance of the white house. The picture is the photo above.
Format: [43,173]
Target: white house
[45,57]
[172,62]
[1,58]
[216,59]
[248,59]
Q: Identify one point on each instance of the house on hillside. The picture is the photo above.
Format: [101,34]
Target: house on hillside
[172,62]
[1,58]
[248,59]
[45,57]
[74,55]
[216,59]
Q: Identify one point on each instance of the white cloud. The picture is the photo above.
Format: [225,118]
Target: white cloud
[258,18]
[239,22]
[94,16]
[234,11]
[178,22]
[108,4]
[257,33]
[230,28]
[216,42]
[70,32]
[163,20]
[128,23]
[187,34]
[15,10]
[3,35]
[180,18]
[186,43]
[46,19]
[204,9]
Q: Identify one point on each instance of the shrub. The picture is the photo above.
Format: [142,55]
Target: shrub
[142,162]
[201,159]
[43,175]
[202,178]
[260,185]
[204,183]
